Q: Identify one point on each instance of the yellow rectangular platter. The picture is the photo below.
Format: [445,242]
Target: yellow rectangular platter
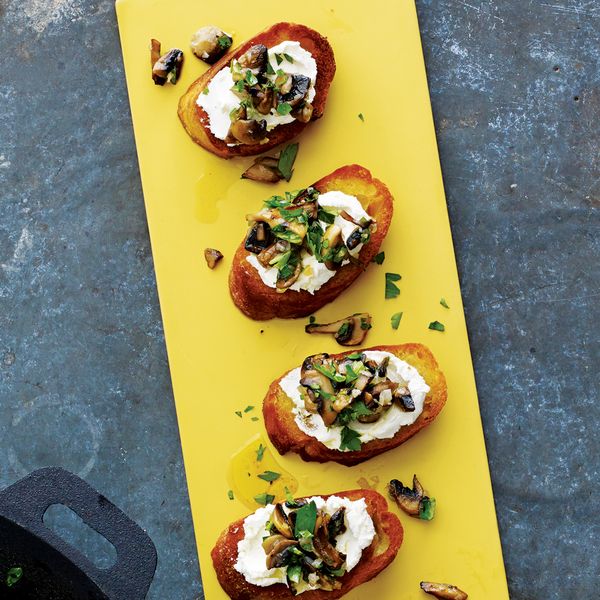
[221,362]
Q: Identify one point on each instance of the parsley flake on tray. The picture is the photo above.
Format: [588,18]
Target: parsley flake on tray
[391,289]
[437,326]
[269,476]
[396,320]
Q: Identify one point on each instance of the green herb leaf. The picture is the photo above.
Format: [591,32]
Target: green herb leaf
[427,508]
[224,42]
[250,78]
[288,495]
[444,303]
[270,69]
[437,326]
[278,58]
[254,419]
[355,356]
[314,240]
[264,499]
[13,576]
[205,91]
[286,159]
[294,573]
[351,374]
[284,108]
[391,289]
[379,258]
[344,329]
[230,494]
[312,319]
[365,325]
[330,372]
[238,413]
[350,439]
[260,452]
[288,58]
[284,233]
[306,517]
[248,408]
[172,76]
[239,86]
[396,320]
[361,117]
[269,476]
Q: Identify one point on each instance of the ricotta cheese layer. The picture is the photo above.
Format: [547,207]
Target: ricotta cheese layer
[386,427]
[251,558]
[315,274]
[220,100]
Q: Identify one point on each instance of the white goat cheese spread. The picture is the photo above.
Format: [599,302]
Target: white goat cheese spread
[251,558]
[220,100]
[315,274]
[388,424]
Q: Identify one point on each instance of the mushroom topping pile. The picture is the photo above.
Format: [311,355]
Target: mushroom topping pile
[292,228]
[350,331]
[264,90]
[413,501]
[350,388]
[303,539]
[443,590]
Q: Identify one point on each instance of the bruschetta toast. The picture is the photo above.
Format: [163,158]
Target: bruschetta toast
[352,406]
[262,93]
[319,547]
[302,250]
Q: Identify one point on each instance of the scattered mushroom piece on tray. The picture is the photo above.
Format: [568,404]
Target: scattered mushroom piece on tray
[271,169]
[445,591]
[167,67]
[350,331]
[413,501]
[212,256]
[210,43]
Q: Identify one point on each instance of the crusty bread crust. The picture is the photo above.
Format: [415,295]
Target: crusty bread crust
[287,437]
[260,302]
[375,558]
[196,122]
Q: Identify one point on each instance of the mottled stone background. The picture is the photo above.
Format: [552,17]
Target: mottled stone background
[83,373]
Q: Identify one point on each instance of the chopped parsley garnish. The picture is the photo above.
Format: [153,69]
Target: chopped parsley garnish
[284,108]
[391,289]
[330,372]
[314,241]
[254,419]
[427,508]
[354,356]
[224,42]
[286,159]
[205,91]
[306,518]
[13,575]
[379,258]
[270,69]
[352,412]
[365,325]
[269,476]
[250,78]
[312,319]
[260,452]
[239,85]
[294,573]
[350,439]
[248,408]
[238,413]
[264,499]
[396,320]
[327,214]
[344,330]
[276,202]
[230,494]
[282,232]
[278,58]
[437,326]
[288,58]
[361,117]
[444,303]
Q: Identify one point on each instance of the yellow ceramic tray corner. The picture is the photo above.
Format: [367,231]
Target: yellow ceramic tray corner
[195,200]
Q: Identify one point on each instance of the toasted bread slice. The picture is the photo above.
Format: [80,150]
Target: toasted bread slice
[196,122]
[287,437]
[375,558]
[260,302]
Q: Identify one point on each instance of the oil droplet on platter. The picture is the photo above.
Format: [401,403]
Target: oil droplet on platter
[255,459]
[209,192]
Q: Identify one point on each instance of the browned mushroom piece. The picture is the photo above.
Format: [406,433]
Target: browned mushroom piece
[280,553]
[316,381]
[413,501]
[212,257]
[285,283]
[324,549]
[254,58]
[268,254]
[311,402]
[259,237]
[303,113]
[281,522]
[337,523]
[264,169]
[210,43]
[297,90]
[167,67]
[350,331]
[332,239]
[342,400]
[377,411]
[248,131]
[263,100]
[154,54]
[445,591]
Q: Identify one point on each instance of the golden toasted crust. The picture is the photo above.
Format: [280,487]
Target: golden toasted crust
[260,302]
[374,559]
[287,437]
[195,120]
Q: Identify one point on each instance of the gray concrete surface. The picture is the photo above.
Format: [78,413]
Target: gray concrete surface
[83,373]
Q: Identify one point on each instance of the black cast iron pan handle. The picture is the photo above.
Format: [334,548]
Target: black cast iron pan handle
[26,501]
